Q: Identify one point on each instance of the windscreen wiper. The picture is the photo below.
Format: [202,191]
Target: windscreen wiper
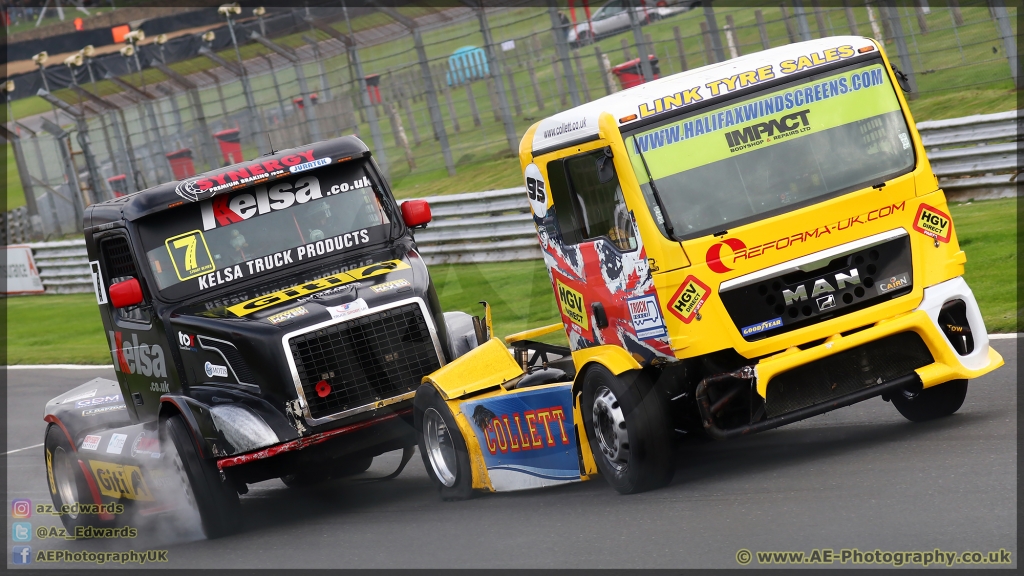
[669,229]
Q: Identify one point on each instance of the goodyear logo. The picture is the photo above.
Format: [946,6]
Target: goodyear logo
[190,255]
[118,481]
[688,300]
[572,305]
[332,281]
[933,222]
[761,326]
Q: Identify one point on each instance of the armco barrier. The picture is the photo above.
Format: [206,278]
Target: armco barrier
[974,157]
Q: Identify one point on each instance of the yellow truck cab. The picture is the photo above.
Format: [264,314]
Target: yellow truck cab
[734,248]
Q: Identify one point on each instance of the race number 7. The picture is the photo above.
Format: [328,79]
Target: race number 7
[189,244]
[190,255]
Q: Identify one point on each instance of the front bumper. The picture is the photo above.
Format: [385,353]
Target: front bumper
[947,365]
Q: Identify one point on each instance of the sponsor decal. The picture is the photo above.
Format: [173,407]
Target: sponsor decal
[332,281]
[145,446]
[722,263]
[186,341]
[134,358]
[346,310]
[116,443]
[565,128]
[893,282]
[714,254]
[49,471]
[224,210]
[120,481]
[572,305]
[288,315]
[190,255]
[761,327]
[97,401]
[196,189]
[91,442]
[88,394]
[826,302]
[688,299]
[390,285]
[646,314]
[526,439]
[309,165]
[159,387]
[217,370]
[905,140]
[763,132]
[933,222]
[536,190]
[104,410]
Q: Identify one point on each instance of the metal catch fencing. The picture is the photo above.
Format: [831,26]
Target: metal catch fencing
[975,157]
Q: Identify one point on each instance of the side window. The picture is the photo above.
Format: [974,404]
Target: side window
[120,266]
[588,200]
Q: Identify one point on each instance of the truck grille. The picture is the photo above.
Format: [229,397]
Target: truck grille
[373,357]
[846,372]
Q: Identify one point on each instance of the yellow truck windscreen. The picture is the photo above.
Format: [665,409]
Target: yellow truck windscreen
[773,150]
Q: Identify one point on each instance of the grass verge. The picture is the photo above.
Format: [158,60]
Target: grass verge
[67,329]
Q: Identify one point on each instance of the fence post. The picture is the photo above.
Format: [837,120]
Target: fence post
[563,54]
[603,69]
[25,176]
[510,75]
[625,50]
[558,80]
[442,80]
[324,86]
[400,139]
[730,36]
[679,48]
[533,81]
[801,20]
[716,40]
[762,30]
[789,24]
[582,75]
[410,118]
[851,20]
[162,166]
[819,19]
[709,52]
[922,24]
[471,97]
[638,39]
[958,18]
[70,173]
[1009,42]
[499,84]
[892,15]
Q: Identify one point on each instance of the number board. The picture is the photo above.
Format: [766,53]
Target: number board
[190,255]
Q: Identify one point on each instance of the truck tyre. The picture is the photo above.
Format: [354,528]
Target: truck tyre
[67,481]
[919,405]
[442,446]
[628,428]
[214,499]
[304,478]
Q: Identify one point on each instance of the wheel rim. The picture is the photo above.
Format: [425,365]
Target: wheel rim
[64,477]
[610,428]
[440,447]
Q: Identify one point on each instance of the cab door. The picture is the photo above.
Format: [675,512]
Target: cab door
[597,264]
[137,345]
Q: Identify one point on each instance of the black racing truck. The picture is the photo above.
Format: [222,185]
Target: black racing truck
[270,319]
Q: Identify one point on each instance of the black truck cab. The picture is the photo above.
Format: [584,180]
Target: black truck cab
[270,319]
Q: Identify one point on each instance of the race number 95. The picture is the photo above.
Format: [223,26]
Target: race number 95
[190,255]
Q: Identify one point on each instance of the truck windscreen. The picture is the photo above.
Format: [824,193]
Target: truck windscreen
[244,234]
[773,151]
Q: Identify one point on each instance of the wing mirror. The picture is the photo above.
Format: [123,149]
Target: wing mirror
[126,293]
[605,167]
[416,213]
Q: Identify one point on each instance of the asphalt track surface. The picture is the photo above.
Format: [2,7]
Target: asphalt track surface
[861,477]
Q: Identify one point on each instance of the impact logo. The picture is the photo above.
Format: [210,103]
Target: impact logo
[764,131]
[134,358]
[714,255]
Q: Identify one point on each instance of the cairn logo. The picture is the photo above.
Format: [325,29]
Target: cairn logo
[714,255]
[134,358]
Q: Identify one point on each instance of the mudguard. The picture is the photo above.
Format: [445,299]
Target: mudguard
[95,405]
[482,368]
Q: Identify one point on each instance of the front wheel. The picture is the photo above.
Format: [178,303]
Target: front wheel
[628,429]
[919,405]
[203,489]
[442,446]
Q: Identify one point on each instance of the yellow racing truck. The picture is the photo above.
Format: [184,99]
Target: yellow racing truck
[732,248]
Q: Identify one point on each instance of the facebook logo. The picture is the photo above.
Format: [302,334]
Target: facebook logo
[21,531]
[22,555]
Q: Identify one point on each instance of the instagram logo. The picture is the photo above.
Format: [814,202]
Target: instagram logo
[21,508]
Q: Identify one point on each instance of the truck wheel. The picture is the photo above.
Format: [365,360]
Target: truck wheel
[919,405]
[442,446]
[67,480]
[628,428]
[304,478]
[214,499]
